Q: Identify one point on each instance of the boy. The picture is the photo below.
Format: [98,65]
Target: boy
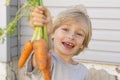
[70,33]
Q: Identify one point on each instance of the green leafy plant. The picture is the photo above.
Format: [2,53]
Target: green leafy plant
[10,29]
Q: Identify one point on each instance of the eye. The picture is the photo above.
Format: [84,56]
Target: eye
[65,29]
[79,34]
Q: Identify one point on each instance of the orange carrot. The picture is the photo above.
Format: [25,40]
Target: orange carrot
[40,51]
[27,49]
[42,58]
[47,71]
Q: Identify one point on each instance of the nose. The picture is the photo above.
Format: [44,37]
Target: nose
[71,36]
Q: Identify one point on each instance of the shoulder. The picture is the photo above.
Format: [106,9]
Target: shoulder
[83,68]
[85,71]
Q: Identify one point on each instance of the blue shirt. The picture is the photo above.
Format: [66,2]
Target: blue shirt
[61,70]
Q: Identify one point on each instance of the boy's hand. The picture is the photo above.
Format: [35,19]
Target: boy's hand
[40,16]
[33,61]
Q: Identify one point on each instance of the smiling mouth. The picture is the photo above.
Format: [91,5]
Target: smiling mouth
[68,45]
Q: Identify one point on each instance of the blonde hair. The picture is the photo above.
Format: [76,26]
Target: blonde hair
[75,14]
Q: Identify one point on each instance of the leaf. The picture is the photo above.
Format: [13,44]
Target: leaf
[7,3]
[1,32]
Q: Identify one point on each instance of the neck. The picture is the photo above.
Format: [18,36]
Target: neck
[66,58]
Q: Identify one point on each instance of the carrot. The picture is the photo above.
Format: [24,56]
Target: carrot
[40,51]
[40,46]
[27,49]
[43,59]
[47,71]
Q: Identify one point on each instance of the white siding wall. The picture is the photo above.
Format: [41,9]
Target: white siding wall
[9,48]
[2,25]
[105,16]
[14,39]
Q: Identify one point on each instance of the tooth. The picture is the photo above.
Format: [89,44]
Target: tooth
[69,43]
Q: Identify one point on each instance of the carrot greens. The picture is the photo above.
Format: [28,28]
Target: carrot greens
[10,28]
[38,43]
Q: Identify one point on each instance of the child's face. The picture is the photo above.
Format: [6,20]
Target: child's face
[68,39]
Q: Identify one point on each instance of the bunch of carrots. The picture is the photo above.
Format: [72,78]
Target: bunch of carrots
[38,44]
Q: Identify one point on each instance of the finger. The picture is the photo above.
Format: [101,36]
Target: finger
[31,25]
[35,24]
[38,24]
[47,13]
[37,15]
[36,21]
[39,10]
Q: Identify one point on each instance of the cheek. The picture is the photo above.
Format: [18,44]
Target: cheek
[80,42]
[57,38]
[58,35]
